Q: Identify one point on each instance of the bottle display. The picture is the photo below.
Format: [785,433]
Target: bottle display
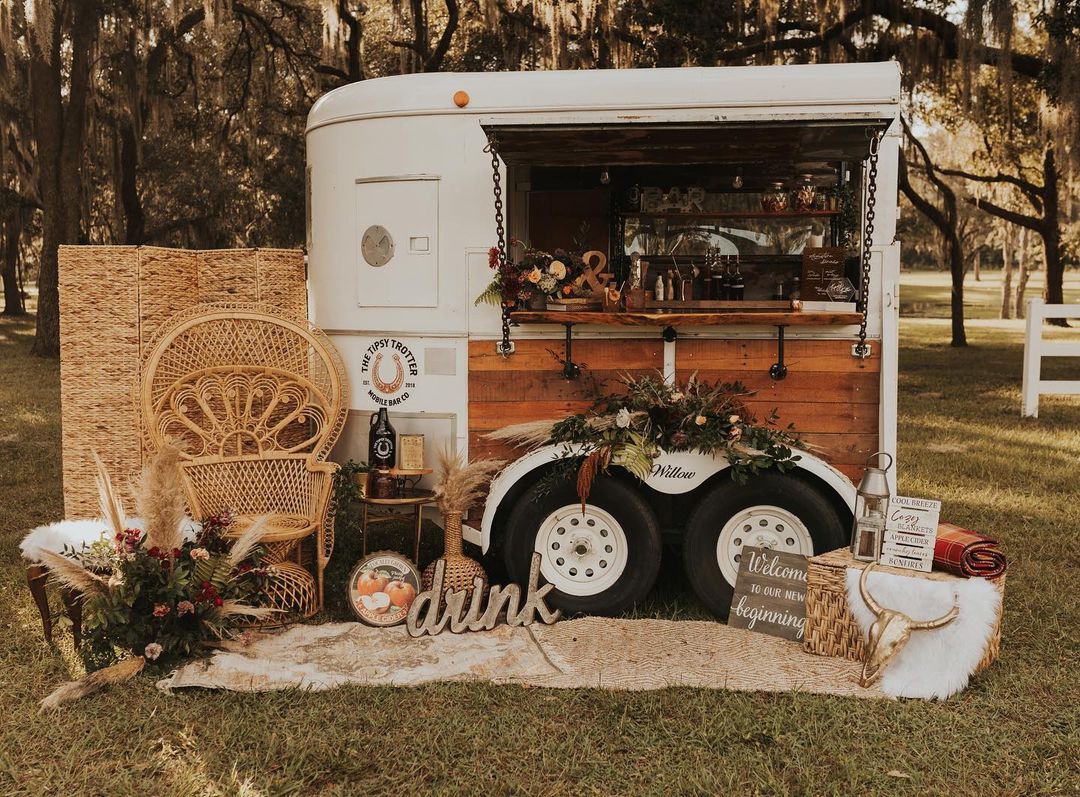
[382,441]
[737,291]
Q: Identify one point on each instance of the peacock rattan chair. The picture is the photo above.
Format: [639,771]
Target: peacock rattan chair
[255,400]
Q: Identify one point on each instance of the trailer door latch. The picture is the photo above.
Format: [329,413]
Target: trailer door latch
[861,350]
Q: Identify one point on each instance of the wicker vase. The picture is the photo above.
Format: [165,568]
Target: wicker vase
[460,569]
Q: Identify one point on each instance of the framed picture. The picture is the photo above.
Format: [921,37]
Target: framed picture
[382,587]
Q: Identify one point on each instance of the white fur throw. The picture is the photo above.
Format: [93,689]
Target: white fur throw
[939,662]
[75,533]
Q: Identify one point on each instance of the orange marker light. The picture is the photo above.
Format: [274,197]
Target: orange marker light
[461,98]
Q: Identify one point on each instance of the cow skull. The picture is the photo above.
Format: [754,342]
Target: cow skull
[890,632]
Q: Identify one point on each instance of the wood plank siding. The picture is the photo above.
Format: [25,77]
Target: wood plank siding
[831,397]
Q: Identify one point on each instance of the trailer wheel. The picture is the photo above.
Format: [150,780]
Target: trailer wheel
[774,510]
[601,561]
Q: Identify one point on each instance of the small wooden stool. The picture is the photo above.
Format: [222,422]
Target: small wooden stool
[413,498]
[36,575]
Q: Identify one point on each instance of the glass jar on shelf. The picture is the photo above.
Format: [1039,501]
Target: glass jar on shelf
[775,198]
[805,193]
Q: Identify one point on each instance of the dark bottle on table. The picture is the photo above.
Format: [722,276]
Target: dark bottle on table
[382,441]
[726,266]
[738,284]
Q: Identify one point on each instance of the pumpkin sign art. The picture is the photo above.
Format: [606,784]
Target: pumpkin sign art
[382,588]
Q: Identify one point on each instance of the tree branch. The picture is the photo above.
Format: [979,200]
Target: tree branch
[434,61]
[1031,191]
[1031,222]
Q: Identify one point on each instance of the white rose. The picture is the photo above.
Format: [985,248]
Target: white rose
[622,418]
[152,651]
[557,269]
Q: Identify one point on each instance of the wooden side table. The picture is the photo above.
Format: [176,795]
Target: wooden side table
[380,510]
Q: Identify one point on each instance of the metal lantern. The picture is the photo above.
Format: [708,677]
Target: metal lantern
[871,509]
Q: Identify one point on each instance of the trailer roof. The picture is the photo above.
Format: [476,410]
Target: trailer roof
[859,91]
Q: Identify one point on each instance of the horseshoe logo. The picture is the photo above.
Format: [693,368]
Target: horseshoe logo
[399,375]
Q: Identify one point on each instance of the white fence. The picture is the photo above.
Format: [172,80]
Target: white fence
[1035,348]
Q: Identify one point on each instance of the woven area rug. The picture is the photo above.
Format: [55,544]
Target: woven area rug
[592,652]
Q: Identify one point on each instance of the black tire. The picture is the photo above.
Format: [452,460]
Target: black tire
[724,500]
[626,506]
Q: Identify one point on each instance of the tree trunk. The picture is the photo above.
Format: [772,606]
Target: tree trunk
[60,134]
[12,232]
[978,264]
[1053,292]
[1024,272]
[955,253]
[1006,272]
[130,199]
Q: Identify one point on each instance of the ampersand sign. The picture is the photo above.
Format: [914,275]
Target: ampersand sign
[595,275]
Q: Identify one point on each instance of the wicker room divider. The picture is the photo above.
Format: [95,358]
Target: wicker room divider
[113,301]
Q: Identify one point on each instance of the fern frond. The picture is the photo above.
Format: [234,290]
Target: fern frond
[591,467]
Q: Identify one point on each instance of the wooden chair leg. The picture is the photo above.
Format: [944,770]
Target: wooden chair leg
[35,579]
[73,603]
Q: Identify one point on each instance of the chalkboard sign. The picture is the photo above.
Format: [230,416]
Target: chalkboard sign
[821,266]
[770,593]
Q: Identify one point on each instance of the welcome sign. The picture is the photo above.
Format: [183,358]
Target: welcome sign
[770,593]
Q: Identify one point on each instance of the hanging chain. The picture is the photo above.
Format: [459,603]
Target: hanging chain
[862,349]
[504,347]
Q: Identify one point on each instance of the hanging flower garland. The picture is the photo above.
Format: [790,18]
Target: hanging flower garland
[631,429]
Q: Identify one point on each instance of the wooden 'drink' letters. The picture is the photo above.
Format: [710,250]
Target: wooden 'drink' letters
[455,616]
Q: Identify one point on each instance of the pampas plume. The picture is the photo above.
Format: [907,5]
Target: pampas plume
[241,549]
[232,608]
[94,682]
[160,499]
[112,507]
[72,574]
[460,485]
[530,433]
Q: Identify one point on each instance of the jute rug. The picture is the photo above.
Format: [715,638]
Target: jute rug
[591,652]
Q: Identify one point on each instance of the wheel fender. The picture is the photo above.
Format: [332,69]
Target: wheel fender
[672,473]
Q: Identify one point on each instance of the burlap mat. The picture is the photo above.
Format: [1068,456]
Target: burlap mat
[591,652]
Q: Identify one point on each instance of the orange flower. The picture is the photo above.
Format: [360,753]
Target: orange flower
[566,290]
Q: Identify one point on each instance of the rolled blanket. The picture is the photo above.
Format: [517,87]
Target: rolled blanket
[966,553]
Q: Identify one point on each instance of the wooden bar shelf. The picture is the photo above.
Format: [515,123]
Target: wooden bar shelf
[793,318]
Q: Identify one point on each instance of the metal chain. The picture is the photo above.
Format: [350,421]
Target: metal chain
[861,349]
[500,235]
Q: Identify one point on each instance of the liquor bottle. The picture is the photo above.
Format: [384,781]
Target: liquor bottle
[738,284]
[725,284]
[382,441]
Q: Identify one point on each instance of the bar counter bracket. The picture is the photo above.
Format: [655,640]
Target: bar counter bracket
[778,370]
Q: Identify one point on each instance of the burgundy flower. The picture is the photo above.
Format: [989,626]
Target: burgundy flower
[161,609]
[679,439]
[218,601]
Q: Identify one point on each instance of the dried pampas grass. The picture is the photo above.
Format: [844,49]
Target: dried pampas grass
[530,433]
[94,682]
[241,549]
[160,499]
[462,485]
[112,507]
[72,574]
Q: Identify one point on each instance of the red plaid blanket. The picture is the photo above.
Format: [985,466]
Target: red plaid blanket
[966,553]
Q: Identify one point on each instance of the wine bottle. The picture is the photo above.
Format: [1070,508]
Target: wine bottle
[382,441]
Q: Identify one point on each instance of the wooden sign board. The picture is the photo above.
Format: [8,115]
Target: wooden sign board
[770,593]
[821,266]
[411,452]
[910,533]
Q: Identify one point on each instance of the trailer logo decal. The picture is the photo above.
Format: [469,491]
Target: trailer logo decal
[405,369]
[672,472]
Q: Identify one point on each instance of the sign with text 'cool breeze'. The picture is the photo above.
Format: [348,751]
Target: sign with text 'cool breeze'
[910,533]
[770,593]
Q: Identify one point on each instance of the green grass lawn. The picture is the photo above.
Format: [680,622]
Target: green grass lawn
[1015,731]
[926,294]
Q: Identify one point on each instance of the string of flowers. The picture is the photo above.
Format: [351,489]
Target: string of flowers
[631,428]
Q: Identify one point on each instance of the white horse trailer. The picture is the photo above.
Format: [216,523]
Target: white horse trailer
[401,218]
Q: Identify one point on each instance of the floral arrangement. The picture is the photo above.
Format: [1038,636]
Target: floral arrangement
[536,273]
[631,428]
[155,593]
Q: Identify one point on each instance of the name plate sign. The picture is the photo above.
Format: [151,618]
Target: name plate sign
[910,533]
[770,593]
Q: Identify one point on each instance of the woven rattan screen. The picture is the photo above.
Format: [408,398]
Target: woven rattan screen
[113,299]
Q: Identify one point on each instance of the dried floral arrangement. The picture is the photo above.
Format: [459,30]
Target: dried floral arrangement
[154,594]
[630,429]
[536,273]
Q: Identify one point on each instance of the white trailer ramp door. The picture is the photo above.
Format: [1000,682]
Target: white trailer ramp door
[397,237]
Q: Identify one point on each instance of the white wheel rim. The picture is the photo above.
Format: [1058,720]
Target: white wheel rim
[762,526]
[581,553]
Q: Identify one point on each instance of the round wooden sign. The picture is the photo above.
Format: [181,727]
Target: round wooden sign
[382,587]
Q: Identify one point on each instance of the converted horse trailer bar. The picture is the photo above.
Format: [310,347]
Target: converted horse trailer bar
[401,219]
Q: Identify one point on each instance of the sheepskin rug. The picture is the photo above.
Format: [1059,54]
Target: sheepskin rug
[75,533]
[939,662]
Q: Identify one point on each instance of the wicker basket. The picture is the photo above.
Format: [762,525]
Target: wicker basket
[830,628]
